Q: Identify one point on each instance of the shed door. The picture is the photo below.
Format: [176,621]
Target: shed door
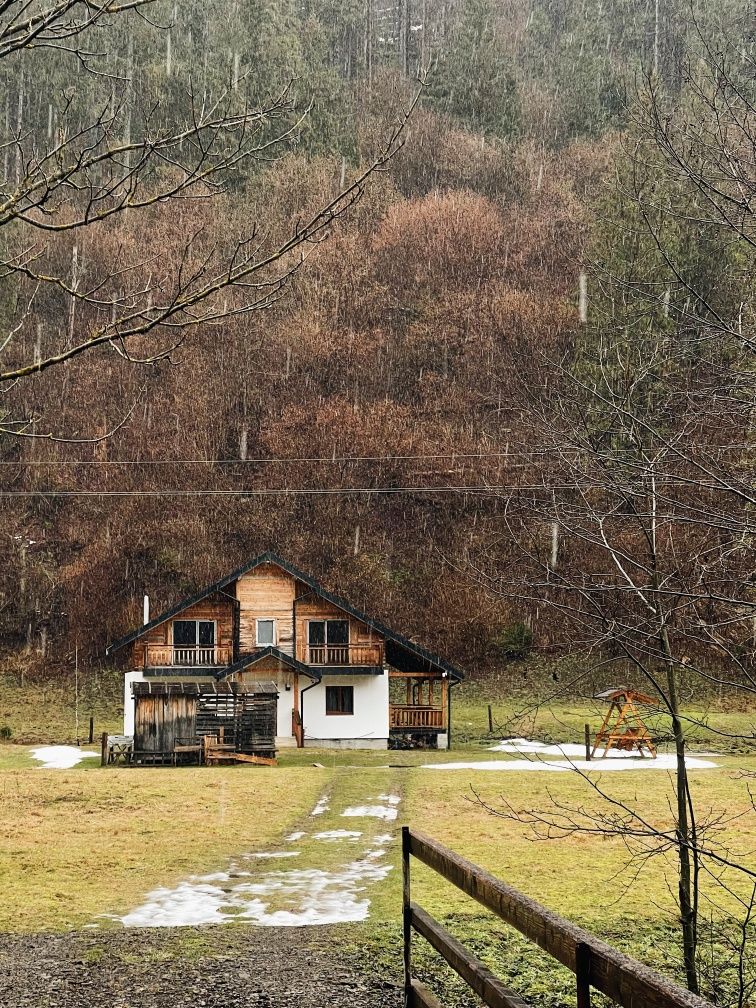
[160,720]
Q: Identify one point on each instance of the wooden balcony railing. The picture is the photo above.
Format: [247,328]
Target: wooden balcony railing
[164,655]
[342,654]
[410,716]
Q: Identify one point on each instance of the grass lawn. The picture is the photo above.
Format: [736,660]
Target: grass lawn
[47,712]
[89,841]
[78,843]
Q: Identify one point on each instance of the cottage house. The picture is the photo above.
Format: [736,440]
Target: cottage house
[343,679]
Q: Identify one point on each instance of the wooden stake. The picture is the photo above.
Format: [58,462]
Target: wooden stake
[91,730]
[588,743]
[104,749]
[490,720]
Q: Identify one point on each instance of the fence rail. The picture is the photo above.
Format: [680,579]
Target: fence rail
[596,965]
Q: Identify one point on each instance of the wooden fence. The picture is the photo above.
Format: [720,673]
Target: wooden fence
[595,964]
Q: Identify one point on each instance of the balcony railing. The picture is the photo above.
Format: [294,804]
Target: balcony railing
[410,716]
[342,654]
[157,656]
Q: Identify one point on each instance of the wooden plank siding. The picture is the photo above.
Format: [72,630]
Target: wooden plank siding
[160,720]
[160,639]
[267,592]
[364,640]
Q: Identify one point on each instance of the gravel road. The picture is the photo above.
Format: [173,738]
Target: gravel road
[202,967]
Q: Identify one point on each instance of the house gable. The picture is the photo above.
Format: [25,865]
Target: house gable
[400,651]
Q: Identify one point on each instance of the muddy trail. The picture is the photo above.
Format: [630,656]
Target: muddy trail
[208,967]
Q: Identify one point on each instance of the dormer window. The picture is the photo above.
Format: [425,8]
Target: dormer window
[266,632]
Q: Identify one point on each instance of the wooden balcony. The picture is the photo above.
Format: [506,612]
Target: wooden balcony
[165,656]
[342,654]
[410,717]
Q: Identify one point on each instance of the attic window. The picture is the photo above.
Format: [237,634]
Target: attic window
[266,632]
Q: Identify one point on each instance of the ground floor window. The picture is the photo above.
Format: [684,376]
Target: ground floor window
[339,699]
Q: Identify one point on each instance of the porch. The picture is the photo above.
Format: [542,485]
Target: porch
[418,703]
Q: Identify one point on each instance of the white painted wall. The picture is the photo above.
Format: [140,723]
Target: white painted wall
[128,700]
[370,720]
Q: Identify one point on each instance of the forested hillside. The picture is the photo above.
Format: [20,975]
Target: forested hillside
[533,225]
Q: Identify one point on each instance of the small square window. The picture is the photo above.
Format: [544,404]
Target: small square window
[339,699]
[266,632]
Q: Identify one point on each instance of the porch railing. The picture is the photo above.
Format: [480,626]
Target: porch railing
[166,655]
[342,654]
[596,965]
[411,716]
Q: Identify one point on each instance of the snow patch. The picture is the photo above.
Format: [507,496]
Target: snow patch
[275,854]
[296,835]
[60,757]
[277,899]
[321,807]
[338,834]
[662,762]
[377,811]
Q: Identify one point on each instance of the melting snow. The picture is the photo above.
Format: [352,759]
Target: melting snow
[275,854]
[337,834]
[662,762]
[60,757]
[277,899]
[377,811]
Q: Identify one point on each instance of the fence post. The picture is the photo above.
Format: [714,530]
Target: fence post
[91,729]
[583,974]
[104,749]
[490,720]
[406,915]
[588,743]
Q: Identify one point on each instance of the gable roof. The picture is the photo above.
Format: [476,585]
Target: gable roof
[268,652]
[401,649]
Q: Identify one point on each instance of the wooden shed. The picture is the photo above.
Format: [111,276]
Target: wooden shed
[174,717]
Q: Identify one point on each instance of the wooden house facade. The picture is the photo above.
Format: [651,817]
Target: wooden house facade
[342,678]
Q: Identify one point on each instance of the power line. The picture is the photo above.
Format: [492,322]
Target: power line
[345,458]
[284,491]
[263,492]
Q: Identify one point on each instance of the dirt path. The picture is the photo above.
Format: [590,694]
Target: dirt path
[208,967]
[322,873]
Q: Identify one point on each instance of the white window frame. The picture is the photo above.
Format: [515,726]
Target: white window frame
[265,619]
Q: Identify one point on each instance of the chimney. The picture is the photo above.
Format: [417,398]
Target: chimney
[146,609]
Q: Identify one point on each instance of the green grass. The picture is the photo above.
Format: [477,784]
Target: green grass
[80,843]
[75,844]
[89,841]
[46,711]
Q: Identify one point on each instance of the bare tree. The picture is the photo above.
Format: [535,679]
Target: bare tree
[93,170]
[639,544]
